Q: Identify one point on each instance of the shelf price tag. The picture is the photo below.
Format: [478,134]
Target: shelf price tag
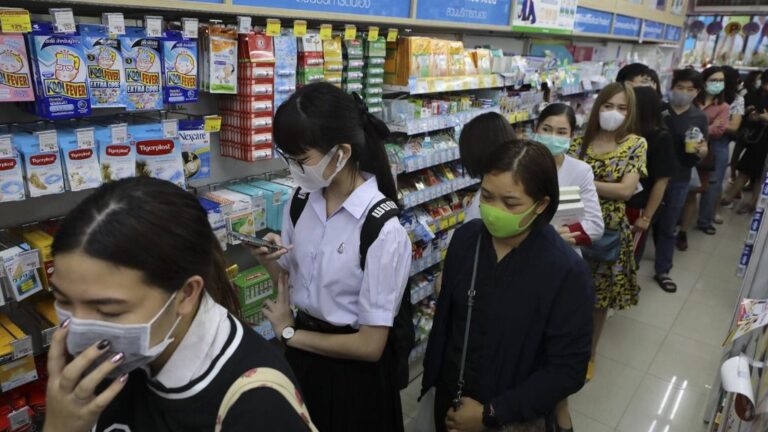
[115,23]
[373,33]
[22,347]
[326,32]
[213,123]
[6,146]
[170,128]
[119,133]
[350,32]
[85,138]
[48,141]
[244,24]
[299,28]
[63,20]
[273,27]
[190,26]
[153,26]
[392,35]
[19,419]
[17,373]
[15,21]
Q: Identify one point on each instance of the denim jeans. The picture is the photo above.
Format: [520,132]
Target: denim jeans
[666,222]
[709,199]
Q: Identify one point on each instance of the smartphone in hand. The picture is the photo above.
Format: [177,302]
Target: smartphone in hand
[255,241]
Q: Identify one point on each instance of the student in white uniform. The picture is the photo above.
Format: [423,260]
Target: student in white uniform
[555,128]
[149,337]
[339,344]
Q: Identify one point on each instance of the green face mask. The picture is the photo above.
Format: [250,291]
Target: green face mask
[503,224]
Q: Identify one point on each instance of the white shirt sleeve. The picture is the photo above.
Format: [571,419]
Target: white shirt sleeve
[387,267]
[593,215]
[287,236]
[473,211]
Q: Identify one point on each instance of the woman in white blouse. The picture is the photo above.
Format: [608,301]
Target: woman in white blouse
[339,344]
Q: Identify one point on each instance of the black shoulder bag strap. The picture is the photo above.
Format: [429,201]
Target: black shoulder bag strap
[298,202]
[470,303]
[384,210]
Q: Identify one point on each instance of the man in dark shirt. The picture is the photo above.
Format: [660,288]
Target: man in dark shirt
[683,120]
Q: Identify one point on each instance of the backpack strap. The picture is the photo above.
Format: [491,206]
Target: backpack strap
[377,216]
[298,202]
[267,378]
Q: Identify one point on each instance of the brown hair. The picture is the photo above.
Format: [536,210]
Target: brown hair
[629,126]
[534,167]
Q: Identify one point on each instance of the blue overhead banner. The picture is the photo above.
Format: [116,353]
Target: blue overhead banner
[653,30]
[592,21]
[490,12]
[673,33]
[626,26]
[383,8]
[207,1]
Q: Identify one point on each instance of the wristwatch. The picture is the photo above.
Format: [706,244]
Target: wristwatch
[287,334]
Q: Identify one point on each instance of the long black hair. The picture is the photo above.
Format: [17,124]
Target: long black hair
[558,109]
[480,137]
[649,108]
[708,72]
[152,226]
[732,79]
[321,116]
[534,167]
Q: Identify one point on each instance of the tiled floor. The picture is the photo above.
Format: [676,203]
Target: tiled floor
[657,361]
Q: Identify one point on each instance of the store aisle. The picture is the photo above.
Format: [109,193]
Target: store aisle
[657,361]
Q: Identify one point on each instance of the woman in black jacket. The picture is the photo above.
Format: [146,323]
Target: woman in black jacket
[530,329]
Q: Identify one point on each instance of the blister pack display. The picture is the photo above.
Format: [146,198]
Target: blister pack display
[286,62]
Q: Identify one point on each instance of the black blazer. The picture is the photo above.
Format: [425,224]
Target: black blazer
[538,343]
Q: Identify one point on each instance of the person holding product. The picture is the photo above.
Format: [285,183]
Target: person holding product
[511,335]
[618,159]
[149,337]
[755,142]
[342,343]
[712,169]
[688,126]
[643,208]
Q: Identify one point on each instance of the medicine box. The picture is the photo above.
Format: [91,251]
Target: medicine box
[254,286]
[276,195]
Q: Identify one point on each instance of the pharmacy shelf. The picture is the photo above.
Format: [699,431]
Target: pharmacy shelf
[520,116]
[420,293]
[413,199]
[434,123]
[427,261]
[447,84]
[418,351]
[443,223]
[437,157]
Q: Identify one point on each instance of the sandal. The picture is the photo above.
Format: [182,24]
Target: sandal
[719,220]
[708,230]
[666,283]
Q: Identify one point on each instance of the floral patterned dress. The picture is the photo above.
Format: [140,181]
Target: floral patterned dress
[616,283]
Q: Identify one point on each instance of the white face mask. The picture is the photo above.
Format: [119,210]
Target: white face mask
[310,178]
[611,120]
[130,339]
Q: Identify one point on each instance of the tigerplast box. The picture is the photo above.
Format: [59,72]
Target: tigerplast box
[43,170]
[156,156]
[116,160]
[11,175]
[81,165]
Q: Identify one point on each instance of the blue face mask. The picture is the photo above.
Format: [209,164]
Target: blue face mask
[557,145]
[714,88]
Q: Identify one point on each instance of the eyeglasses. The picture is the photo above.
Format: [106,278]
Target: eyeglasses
[290,160]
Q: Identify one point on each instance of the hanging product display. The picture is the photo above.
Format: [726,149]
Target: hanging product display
[106,71]
[15,80]
[219,71]
[180,68]
[143,59]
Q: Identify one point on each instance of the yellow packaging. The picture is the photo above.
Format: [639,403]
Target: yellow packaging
[456,65]
[42,241]
[469,64]
[5,343]
[440,50]
[420,62]
[45,308]
[482,58]
[11,328]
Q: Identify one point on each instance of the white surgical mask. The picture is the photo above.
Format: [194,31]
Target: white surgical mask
[611,120]
[310,178]
[130,339]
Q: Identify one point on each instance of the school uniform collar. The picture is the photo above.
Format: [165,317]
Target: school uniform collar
[356,203]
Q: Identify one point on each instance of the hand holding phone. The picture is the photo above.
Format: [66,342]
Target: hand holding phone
[268,249]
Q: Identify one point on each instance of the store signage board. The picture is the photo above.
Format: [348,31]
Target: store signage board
[205,1]
[653,30]
[592,21]
[465,11]
[550,16]
[626,26]
[383,8]
[672,33]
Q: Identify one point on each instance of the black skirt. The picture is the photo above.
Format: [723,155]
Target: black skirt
[347,395]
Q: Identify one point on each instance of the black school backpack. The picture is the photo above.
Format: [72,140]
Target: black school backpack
[402,337]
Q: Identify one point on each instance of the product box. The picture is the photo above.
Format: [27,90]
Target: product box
[180,69]
[254,286]
[222,61]
[216,219]
[276,195]
[195,149]
[244,213]
[15,79]
[20,265]
[43,170]
[143,60]
[106,74]
[81,165]
[156,156]
[60,67]
[117,161]
[11,178]
[257,200]
[43,242]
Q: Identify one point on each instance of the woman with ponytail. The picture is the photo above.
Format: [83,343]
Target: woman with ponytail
[347,297]
[149,337]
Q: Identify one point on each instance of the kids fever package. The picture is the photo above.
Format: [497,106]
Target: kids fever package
[15,82]
[60,73]
[143,70]
[180,68]
[106,78]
